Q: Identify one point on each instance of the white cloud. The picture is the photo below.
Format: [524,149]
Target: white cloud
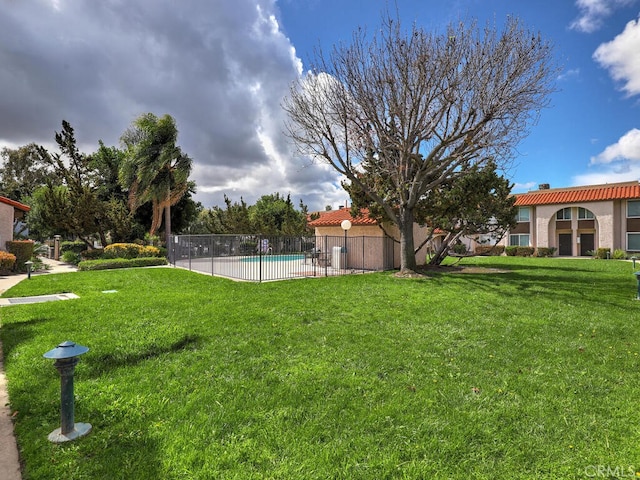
[523,187]
[608,176]
[619,162]
[594,12]
[620,57]
[220,68]
[571,73]
[627,148]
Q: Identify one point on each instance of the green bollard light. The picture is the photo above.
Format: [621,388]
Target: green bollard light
[66,356]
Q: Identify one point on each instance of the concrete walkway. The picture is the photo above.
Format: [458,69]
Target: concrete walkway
[9,458]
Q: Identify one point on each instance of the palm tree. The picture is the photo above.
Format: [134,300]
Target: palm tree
[155,169]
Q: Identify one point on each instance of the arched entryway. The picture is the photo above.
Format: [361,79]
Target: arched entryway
[575,231]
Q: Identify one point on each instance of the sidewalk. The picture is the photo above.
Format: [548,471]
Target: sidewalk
[9,458]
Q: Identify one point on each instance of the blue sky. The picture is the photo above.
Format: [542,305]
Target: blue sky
[590,112]
[221,68]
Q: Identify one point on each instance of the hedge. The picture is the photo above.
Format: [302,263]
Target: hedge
[75,247]
[492,250]
[112,263]
[513,251]
[92,254]
[524,251]
[545,251]
[130,250]
[603,253]
[7,261]
[23,250]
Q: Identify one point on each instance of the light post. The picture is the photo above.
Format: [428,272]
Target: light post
[345,225]
[56,247]
[28,264]
[66,356]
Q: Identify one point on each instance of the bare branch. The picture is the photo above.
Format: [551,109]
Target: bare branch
[417,108]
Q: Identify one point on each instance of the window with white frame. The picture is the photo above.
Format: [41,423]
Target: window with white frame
[563,214]
[633,242]
[584,214]
[524,214]
[519,240]
[633,208]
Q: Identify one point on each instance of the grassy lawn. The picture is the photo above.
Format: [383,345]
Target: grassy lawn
[530,373]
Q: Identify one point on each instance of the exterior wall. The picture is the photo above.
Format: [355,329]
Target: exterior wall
[620,223]
[6,224]
[374,252]
[609,226]
[361,254]
[603,227]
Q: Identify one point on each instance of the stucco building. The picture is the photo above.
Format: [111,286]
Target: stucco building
[579,220]
[369,245]
[10,211]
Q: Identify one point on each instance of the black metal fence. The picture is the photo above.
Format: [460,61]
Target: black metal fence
[261,258]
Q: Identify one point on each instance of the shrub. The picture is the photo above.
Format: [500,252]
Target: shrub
[7,261]
[71,257]
[40,249]
[92,254]
[23,250]
[109,264]
[511,250]
[524,251]
[76,247]
[459,248]
[602,253]
[545,251]
[619,254]
[150,251]
[493,250]
[123,250]
[153,240]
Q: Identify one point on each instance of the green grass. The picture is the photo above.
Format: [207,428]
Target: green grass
[532,373]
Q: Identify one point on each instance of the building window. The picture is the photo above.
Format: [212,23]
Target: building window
[633,242]
[633,208]
[523,214]
[584,214]
[564,214]
[519,240]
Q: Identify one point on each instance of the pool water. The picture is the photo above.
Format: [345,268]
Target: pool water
[274,258]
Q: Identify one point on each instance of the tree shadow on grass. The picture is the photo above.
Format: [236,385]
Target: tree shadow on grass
[596,289]
[128,358]
[14,334]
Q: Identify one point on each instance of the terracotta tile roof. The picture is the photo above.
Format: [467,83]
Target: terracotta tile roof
[13,203]
[589,193]
[333,218]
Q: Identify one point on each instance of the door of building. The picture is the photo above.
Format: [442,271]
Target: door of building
[565,247]
[587,244]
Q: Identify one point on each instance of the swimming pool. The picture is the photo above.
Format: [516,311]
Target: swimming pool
[274,258]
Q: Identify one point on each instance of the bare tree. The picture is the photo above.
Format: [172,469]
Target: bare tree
[401,112]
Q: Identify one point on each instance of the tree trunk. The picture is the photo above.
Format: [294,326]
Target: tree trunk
[443,249]
[103,238]
[167,223]
[407,252]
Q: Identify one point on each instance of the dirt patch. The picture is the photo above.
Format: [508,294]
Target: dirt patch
[480,270]
[427,270]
